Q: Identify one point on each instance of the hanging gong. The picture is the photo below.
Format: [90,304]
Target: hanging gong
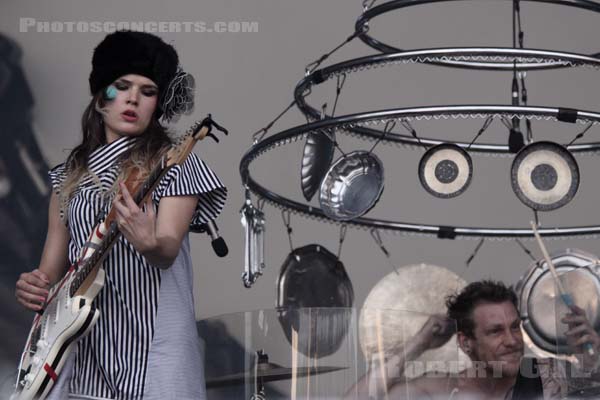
[314,294]
[445,170]
[544,176]
[398,307]
[538,306]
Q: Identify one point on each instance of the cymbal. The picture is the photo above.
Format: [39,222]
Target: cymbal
[268,372]
[405,299]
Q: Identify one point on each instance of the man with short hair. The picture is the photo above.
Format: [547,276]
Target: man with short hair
[489,333]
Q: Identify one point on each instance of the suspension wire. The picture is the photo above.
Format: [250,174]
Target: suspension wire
[366,5]
[580,134]
[486,124]
[515,6]
[515,135]
[523,74]
[475,251]
[341,79]
[526,250]
[506,122]
[388,127]
[286,216]
[343,229]
[377,238]
[331,137]
[310,68]
[406,124]
[260,134]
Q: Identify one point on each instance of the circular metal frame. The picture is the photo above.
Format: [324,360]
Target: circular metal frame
[362,29]
[342,124]
[304,87]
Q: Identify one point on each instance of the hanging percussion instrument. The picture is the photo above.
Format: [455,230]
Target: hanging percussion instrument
[316,160]
[544,176]
[352,186]
[541,312]
[446,170]
[268,372]
[399,305]
[312,287]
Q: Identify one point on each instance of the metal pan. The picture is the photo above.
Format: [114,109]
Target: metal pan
[312,287]
[352,186]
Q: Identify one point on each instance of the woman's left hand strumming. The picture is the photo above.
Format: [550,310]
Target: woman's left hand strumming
[137,224]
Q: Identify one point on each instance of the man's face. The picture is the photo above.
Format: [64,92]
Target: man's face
[497,341]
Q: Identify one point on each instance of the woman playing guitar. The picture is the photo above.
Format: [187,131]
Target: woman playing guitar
[144,343]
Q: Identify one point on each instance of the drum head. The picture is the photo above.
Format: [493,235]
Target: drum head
[313,277]
[541,311]
[544,176]
[352,186]
[446,170]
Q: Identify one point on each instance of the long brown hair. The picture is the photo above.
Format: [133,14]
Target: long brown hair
[142,155]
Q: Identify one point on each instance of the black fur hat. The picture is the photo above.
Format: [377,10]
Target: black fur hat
[128,52]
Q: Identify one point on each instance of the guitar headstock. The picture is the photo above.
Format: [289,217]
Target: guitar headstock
[198,131]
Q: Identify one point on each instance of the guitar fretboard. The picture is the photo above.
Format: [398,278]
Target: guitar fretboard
[85,266]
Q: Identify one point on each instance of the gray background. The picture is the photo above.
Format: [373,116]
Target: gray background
[246,79]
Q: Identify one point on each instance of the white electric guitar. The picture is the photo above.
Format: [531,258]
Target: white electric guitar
[69,312]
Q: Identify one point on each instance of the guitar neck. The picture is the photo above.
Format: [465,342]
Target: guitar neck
[89,264]
[108,230]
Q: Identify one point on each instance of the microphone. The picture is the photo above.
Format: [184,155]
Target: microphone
[515,139]
[218,243]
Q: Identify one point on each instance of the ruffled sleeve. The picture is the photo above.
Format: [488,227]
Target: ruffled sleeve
[194,177]
[57,175]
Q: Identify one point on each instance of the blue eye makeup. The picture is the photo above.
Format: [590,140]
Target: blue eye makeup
[110,93]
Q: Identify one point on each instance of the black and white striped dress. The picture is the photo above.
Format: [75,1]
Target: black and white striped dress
[145,343]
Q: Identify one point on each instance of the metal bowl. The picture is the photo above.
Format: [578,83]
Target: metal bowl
[352,186]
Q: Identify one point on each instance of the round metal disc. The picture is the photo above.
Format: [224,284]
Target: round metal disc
[352,186]
[545,176]
[400,304]
[312,287]
[445,170]
[541,309]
